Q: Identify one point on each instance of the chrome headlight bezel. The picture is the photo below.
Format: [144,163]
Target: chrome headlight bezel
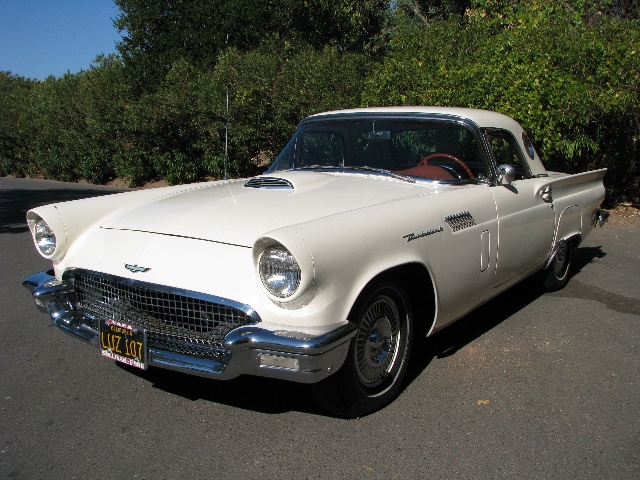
[48,232]
[289,243]
[279,271]
[44,237]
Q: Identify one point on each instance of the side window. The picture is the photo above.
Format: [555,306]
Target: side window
[506,150]
[450,147]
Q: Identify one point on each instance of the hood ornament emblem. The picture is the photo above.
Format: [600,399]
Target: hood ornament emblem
[136,268]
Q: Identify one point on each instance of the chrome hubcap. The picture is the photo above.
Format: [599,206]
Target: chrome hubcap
[377,341]
[560,259]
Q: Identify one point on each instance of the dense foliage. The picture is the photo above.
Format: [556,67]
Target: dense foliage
[161,33]
[569,72]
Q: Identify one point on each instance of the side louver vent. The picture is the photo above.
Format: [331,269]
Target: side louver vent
[269,182]
[460,221]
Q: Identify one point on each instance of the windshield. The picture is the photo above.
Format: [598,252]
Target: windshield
[423,149]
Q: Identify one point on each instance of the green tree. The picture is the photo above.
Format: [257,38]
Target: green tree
[73,126]
[271,89]
[569,71]
[574,83]
[103,98]
[14,95]
[433,9]
[157,34]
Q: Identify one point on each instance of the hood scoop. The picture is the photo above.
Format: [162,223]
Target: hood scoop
[269,182]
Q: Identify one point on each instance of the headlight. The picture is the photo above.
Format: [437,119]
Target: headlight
[44,237]
[279,271]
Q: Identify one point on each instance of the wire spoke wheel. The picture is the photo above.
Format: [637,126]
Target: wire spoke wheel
[376,345]
[378,356]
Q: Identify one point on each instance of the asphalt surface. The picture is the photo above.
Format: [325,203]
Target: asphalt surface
[527,386]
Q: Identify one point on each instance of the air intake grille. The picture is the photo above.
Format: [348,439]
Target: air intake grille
[460,221]
[174,322]
[269,182]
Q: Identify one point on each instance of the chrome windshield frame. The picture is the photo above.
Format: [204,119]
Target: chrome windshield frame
[366,169]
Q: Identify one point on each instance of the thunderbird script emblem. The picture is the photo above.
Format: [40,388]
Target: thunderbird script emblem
[136,268]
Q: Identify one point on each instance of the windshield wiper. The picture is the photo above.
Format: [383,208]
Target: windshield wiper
[363,168]
[388,173]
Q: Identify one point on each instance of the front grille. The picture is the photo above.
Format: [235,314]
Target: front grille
[174,321]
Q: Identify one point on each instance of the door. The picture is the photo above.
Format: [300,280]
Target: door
[526,219]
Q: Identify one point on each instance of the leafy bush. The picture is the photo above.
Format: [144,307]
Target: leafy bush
[14,92]
[569,72]
[575,86]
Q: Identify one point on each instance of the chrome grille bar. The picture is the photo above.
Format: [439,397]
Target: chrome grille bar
[175,320]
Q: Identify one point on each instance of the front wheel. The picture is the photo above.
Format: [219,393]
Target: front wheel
[378,356]
[556,274]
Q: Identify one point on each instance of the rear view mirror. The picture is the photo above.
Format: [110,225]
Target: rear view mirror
[381,136]
[507,174]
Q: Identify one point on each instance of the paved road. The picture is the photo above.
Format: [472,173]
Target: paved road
[528,386]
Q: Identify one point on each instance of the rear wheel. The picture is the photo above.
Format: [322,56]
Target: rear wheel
[556,274]
[378,356]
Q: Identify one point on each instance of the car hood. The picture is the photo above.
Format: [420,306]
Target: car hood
[230,212]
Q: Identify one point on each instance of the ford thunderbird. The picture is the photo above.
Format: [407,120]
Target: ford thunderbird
[372,226]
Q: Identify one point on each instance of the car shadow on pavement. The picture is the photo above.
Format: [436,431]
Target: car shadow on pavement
[256,394]
[277,397]
[583,256]
[472,326]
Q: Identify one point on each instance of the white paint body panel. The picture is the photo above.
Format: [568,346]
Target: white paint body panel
[343,228]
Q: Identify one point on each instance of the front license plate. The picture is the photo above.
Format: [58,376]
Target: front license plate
[124,343]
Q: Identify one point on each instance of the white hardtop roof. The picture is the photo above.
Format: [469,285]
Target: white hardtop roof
[482,118]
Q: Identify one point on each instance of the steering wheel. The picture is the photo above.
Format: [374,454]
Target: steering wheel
[425,161]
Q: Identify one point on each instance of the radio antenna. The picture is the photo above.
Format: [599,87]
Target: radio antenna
[226,139]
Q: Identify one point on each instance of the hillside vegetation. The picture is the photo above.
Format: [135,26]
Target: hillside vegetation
[568,71]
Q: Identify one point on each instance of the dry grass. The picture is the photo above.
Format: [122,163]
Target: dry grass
[625,214]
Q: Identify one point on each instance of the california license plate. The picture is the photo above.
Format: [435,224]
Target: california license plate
[124,343]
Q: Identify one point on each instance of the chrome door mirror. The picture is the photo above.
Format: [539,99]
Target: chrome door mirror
[506,174]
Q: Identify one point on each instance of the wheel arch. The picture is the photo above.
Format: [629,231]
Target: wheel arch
[568,227]
[416,283]
[574,240]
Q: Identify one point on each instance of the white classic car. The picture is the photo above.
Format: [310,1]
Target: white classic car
[372,225]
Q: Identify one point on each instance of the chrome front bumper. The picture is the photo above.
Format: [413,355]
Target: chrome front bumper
[255,350]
